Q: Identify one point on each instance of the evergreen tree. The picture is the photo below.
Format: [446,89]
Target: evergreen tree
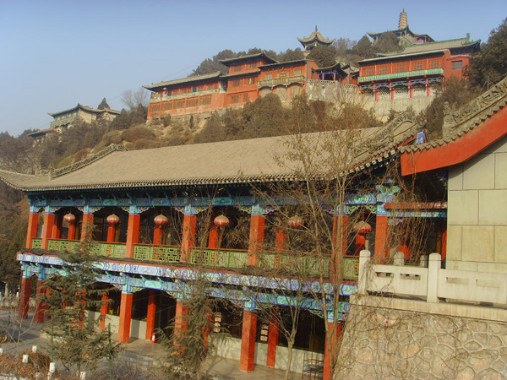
[75,339]
[490,65]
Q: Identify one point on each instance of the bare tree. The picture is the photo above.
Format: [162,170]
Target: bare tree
[134,99]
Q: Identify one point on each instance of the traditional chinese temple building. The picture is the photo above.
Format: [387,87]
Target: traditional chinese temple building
[404,34]
[417,70]
[248,78]
[148,208]
[315,39]
[68,118]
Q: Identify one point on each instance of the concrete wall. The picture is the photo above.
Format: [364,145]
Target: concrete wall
[382,340]
[230,348]
[137,328]
[477,212]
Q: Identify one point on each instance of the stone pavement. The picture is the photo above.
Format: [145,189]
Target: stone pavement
[142,353]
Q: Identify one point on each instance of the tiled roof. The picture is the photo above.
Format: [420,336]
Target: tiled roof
[84,108]
[315,36]
[433,46]
[242,161]
[467,118]
[249,57]
[192,79]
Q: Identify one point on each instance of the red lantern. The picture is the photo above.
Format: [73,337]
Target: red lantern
[113,219]
[296,222]
[221,221]
[69,218]
[160,220]
[362,227]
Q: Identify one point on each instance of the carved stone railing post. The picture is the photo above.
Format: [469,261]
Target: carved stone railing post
[433,268]
[364,261]
[399,259]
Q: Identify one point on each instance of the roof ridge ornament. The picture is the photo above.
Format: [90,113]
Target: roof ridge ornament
[463,118]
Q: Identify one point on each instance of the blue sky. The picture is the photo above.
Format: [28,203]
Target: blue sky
[55,54]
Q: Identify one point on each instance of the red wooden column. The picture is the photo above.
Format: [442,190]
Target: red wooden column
[381,240]
[39,305]
[273,335]
[33,222]
[257,221]
[112,223]
[335,338]
[248,337]
[132,231]
[47,227]
[188,235]
[56,233]
[24,295]
[87,224]
[281,239]
[125,316]
[180,317]
[104,308]
[213,237]
[385,195]
[150,315]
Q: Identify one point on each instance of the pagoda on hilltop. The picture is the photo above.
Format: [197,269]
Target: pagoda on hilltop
[315,39]
[404,34]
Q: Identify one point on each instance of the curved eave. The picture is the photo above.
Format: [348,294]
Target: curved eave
[465,146]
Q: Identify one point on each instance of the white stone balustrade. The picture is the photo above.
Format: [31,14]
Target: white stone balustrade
[432,284]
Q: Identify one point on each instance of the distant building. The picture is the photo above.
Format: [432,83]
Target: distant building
[417,70]
[248,78]
[67,118]
[404,34]
[315,39]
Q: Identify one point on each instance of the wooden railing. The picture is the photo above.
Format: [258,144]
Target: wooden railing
[168,254]
[284,262]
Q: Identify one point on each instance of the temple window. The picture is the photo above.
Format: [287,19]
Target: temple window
[234,99]
[192,102]
[252,65]
[434,64]
[205,100]
[369,71]
[400,68]
[249,80]
[236,68]
[268,76]
[297,73]
[245,98]
[235,83]
[382,70]
[457,65]
[283,74]
[418,65]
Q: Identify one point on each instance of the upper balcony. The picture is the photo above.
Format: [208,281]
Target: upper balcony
[281,81]
[63,120]
[281,263]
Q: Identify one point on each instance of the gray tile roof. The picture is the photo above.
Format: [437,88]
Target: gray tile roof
[242,161]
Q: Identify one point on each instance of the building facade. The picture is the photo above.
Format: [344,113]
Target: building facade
[68,118]
[418,70]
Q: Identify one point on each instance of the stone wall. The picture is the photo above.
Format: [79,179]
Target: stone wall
[477,213]
[381,342]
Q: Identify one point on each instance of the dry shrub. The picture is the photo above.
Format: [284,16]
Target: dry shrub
[37,363]
[137,133]
[146,144]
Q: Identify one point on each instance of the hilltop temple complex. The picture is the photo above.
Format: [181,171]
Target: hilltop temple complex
[146,207]
[398,242]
